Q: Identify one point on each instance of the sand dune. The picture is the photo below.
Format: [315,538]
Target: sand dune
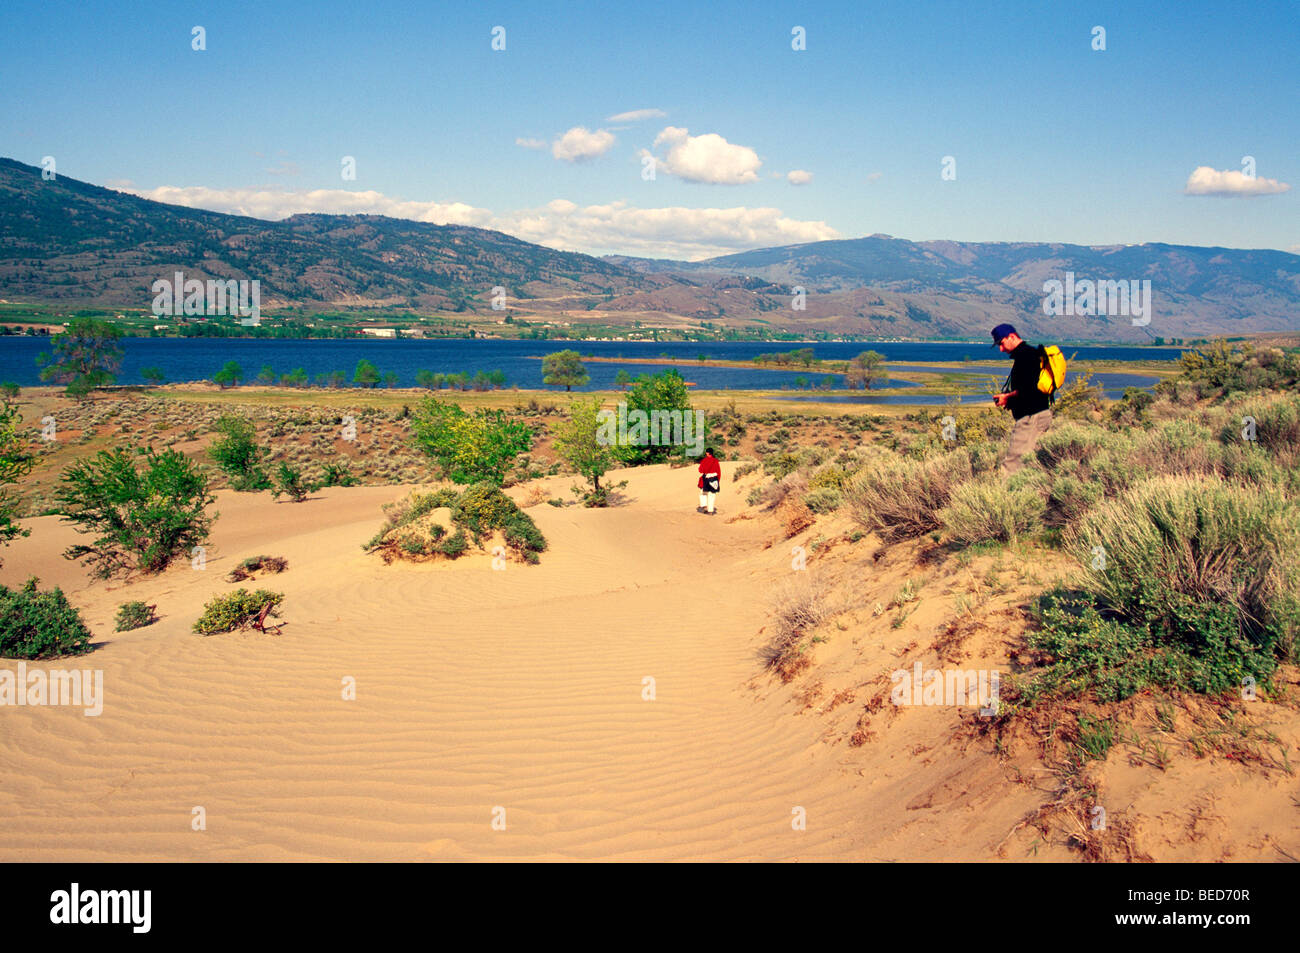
[522,689]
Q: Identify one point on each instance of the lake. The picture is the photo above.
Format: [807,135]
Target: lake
[198,359]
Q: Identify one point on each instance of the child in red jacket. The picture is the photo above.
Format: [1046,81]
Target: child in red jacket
[710,482]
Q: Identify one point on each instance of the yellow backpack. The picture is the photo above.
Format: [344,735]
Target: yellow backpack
[1051,373]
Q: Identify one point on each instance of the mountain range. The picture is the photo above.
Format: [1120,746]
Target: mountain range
[71,242]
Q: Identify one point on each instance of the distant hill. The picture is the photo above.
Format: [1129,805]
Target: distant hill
[69,241]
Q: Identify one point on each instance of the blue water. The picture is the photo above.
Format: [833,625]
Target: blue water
[198,359]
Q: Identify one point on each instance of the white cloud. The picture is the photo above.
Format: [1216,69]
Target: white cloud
[579,144]
[875,176]
[613,228]
[636,115]
[275,204]
[1231,183]
[799,177]
[674,232]
[531,143]
[708,158]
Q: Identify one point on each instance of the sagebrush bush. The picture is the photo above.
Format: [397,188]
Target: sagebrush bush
[824,499]
[39,625]
[988,509]
[134,615]
[236,610]
[1204,563]
[902,497]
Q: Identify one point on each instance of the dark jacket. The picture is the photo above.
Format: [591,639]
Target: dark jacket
[1025,368]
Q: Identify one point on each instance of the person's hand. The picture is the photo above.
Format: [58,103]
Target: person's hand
[1001,399]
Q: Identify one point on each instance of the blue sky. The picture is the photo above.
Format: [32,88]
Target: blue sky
[1052,140]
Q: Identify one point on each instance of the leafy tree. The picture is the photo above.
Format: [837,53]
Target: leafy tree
[143,518]
[661,392]
[229,375]
[15,462]
[623,379]
[577,441]
[9,390]
[236,452]
[865,370]
[390,378]
[85,356]
[428,379]
[564,368]
[468,449]
[367,375]
[266,375]
[153,375]
[296,378]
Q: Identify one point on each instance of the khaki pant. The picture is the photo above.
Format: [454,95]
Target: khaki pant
[1024,437]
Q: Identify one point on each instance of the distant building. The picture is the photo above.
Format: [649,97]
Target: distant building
[380,332]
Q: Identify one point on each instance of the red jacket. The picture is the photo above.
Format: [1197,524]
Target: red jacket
[709,465]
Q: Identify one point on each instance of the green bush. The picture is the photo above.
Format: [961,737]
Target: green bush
[144,518]
[39,625]
[236,610]
[289,482]
[824,499]
[236,452]
[1208,565]
[338,474]
[988,509]
[134,615]
[468,449]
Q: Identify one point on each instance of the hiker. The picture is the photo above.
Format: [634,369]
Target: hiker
[710,482]
[1030,406]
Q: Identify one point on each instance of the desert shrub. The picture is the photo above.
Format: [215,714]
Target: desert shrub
[824,499]
[1179,447]
[1277,426]
[798,607]
[236,452]
[902,497]
[483,508]
[256,564]
[1070,441]
[39,625]
[338,474]
[453,545]
[16,461]
[1079,400]
[745,469]
[831,476]
[290,482]
[236,610]
[989,509]
[1205,564]
[134,615]
[1220,368]
[144,519]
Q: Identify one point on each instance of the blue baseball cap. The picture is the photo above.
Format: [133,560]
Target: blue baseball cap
[1001,331]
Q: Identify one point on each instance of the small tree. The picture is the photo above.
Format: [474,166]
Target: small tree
[468,449]
[236,452]
[266,375]
[143,518]
[289,482]
[9,390]
[390,379]
[15,462]
[663,392]
[366,374]
[229,375]
[85,356]
[623,379]
[865,370]
[564,368]
[578,443]
[153,375]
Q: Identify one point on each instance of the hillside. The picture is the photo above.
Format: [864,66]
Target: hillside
[67,241]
